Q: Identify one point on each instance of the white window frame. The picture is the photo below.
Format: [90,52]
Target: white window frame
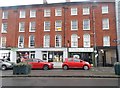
[104,9]
[32,13]
[5,15]
[3,44]
[32,29]
[74,40]
[33,45]
[4,29]
[58,43]
[22,14]
[58,12]
[21,43]
[106,41]
[105,24]
[22,26]
[46,26]
[58,25]
[46,41]
[86,40]
[47,12]
[74,11]
[76,28]
[86,10]
[84,24]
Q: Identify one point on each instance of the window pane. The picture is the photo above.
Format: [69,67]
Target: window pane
[46,41]
[74,25]
[58,12]
[32,41]
[3,42]
[5,15]
[58,25]
[104,9]
[105,23]
[106,41]
[86,24]
[74,40]
[58,40]
[73,11]
[21,26]
[47,13]
[86,11]
[86,39]
[21,42]
[4,28]
[22,14]
[47,25]
[32,26]
[32,13]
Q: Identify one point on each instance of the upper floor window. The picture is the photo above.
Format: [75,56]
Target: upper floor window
[73,11]
[47,26]
[74,25]
[74,40]
[3,41]
[104,9]
[5,15]
[58,12]
[58,25]
[31,41]
[4,28]
[86,11]
[86,39]
[47,13]
[58,41]
[32,13]
[46,41]
[32,27]
[106,41]
[22,13]
[22,27]
[86,24]
[21,41]
[105,23]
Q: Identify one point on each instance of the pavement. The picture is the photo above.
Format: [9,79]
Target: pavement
[94,72]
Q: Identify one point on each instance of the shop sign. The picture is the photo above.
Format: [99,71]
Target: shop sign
[80,49]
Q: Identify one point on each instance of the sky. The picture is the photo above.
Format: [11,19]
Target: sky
[28,2]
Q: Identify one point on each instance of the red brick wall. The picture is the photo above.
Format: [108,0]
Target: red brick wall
[13,27]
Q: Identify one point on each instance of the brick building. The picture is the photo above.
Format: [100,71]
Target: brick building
[53,32]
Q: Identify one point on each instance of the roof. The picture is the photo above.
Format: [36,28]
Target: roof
[60,4]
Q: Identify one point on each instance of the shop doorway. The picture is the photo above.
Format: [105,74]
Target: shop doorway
[45,56]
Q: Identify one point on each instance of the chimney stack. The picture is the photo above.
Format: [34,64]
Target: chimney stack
[67,0]
[44,1]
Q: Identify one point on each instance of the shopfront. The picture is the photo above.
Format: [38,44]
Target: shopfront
[85,54]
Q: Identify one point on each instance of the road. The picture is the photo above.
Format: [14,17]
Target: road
[55,81]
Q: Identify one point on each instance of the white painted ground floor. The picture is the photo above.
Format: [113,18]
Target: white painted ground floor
[55,55]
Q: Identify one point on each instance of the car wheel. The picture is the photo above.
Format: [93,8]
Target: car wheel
[3,67]
[85,67]
[45,67]
[65,67]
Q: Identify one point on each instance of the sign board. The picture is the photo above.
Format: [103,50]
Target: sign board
[81,49]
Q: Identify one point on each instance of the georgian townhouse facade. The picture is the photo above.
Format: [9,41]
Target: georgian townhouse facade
[56,31]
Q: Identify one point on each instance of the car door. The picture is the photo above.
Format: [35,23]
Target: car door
[77,63]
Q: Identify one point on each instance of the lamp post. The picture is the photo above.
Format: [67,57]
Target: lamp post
[94,34]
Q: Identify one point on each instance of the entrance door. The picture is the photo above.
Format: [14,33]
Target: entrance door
[45,57]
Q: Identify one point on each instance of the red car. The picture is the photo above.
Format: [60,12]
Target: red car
[75,63]
[39,64]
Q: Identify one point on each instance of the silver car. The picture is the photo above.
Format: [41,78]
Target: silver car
[5,64]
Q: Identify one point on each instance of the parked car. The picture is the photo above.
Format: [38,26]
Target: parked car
[75,63]
[5,64]
[39,64]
